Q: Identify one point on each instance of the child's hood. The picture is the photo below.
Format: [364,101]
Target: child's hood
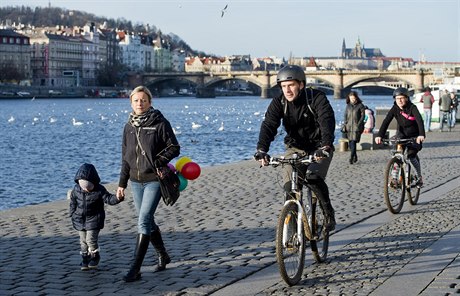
[87,172]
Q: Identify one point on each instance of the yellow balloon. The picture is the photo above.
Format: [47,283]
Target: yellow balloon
[181,161]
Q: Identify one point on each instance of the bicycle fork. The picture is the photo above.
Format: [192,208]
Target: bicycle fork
[303,224]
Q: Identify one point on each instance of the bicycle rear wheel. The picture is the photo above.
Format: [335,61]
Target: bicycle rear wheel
[413,191]
[414,196]
[319,243]
[394,187]
[290,251]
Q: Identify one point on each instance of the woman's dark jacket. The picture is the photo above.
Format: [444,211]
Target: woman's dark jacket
[87,208]
[410,122]
[158,141]
[354,121]
[305,130]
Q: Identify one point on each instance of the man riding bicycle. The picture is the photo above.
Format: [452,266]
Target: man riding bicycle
[309,121]
[410,125]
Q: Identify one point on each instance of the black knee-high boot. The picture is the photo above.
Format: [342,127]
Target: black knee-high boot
[157,242]
[322,193]
[142,244]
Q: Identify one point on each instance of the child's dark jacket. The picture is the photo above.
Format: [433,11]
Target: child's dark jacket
[87,208]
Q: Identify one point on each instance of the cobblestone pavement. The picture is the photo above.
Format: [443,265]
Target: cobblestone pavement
[222,232]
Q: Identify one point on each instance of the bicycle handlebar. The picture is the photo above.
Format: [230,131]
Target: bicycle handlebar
[275,161]
[399,141]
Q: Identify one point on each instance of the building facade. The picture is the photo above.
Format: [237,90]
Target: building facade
[15,54]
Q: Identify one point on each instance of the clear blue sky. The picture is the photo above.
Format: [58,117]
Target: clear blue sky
[400,28]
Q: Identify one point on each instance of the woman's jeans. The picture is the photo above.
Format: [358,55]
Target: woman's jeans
[427,119]
[146,197]
[453,117]
[445,115]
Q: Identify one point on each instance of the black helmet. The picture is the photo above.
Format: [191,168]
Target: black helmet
[290,72]
[401,91]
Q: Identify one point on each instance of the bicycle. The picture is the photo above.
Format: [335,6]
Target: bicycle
[299,222]
[398,179]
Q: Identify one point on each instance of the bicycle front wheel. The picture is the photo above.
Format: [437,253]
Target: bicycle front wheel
[394,187]
[290,244]
[320,241]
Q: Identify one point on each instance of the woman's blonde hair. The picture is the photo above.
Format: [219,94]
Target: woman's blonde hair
[143,89]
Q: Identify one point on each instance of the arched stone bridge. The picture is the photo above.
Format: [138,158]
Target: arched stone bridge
[337,79]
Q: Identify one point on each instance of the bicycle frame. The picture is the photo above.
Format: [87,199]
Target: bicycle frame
[400,153]
[304,215]
[291,236]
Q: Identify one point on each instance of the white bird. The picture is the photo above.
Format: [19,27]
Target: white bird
[74,122]
[221,128]
[52,119]
[195,125]
[11,119]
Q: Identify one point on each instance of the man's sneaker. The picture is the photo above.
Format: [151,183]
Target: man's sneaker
[330,223]
[419,182]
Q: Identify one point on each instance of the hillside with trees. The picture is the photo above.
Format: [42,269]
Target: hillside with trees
[53,16]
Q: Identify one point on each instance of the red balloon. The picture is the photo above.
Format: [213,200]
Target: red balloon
[191,170]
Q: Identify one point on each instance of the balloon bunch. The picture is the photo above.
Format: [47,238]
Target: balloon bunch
[186,170]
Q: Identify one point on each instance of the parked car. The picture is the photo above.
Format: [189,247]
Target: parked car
[54,92]
[23,93]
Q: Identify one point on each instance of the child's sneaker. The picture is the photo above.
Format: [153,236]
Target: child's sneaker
[94,262]
[85,258]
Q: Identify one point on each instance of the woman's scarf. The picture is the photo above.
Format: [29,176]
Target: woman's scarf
[139,120]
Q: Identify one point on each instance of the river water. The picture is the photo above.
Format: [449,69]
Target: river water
[41,147]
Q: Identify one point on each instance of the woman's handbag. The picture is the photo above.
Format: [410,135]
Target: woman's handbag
[169,185]
[169,181]
[343,129]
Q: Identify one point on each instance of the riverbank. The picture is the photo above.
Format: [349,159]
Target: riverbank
[37,92]
[221,232]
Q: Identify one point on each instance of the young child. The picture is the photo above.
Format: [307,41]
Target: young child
[87,212]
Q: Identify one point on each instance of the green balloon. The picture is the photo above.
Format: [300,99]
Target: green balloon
[183,182]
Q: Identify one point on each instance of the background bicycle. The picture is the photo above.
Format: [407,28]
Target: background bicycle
[301,220]
[398,177]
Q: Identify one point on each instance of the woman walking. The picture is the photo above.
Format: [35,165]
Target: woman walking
[148,145]
[354,123]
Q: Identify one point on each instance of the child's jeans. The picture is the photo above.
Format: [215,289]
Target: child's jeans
[88,240]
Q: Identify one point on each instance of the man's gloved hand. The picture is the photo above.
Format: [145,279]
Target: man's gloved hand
[322,152]
[262,155]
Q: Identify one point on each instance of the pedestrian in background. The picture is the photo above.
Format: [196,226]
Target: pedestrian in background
[353,122]
[453,112]
[148,145]
[445,108]
[427,99]
[87,212]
